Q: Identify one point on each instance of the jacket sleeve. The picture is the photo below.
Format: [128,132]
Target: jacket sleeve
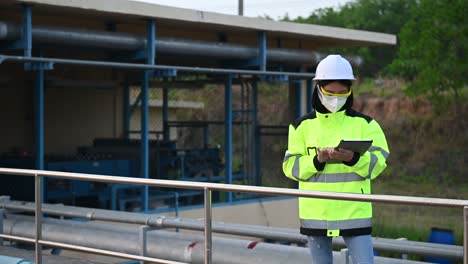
[374,161]
[298,164]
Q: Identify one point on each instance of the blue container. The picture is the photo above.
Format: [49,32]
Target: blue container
[10,260]
[441,236]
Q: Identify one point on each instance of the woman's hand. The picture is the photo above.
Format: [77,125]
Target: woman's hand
[323,154]
[341,154]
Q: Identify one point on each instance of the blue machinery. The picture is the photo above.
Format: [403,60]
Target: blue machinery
[163,154]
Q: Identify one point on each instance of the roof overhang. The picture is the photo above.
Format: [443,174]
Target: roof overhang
[209,21]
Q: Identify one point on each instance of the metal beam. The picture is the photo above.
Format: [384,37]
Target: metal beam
[123,65]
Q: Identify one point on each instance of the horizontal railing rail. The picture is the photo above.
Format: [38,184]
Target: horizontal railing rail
[208,188]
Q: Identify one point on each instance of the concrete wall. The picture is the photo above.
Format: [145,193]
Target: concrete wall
[16,114]
[74,117]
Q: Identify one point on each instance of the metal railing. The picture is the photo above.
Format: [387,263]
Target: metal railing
[208,188]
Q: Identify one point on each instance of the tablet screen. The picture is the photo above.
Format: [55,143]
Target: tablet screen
[360,146]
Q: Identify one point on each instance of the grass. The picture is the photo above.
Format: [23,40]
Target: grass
[415,222]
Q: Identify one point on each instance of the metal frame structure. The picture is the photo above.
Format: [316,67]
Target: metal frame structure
[208,188]
[39,65]
[147,51]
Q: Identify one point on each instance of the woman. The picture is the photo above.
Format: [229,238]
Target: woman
[313,159]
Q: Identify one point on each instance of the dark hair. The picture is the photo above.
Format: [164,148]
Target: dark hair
[347,83]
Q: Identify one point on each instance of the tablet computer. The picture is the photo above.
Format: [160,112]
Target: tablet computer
[360,146]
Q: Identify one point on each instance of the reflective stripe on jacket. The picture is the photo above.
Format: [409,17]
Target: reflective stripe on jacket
[334,217]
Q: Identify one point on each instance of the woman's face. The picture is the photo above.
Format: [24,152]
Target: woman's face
[336,88]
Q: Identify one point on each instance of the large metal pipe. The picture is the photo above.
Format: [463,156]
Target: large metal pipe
[173,246]
[275,233]
[118,41]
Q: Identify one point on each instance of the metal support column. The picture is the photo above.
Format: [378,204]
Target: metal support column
[144,137]
[27,33]
[208,249]
[256,132]
[38,92]
[38,217]
[165,114]
[39,117]
[298,99]
[309,103]
[465,235]
[38,85]
[262,50]
[150,56]
[127,113]
[228,133]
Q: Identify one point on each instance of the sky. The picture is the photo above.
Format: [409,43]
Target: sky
[254,8]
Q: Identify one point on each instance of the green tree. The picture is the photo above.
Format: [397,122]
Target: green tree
[387,16]
[433,50]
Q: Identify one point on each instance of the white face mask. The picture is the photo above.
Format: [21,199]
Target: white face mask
[332,103]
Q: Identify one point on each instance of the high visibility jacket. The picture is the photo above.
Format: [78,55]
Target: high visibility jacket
[323,217]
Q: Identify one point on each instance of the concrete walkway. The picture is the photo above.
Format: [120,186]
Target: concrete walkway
[48,259]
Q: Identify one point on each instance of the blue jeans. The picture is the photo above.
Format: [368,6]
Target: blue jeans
[360,249]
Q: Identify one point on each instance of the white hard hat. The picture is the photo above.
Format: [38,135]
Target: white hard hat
[334,67]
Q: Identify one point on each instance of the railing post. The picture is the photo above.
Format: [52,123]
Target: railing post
[38,216]
[208,252]
[1,226]
[345,256]
[465,235]
[143,235]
